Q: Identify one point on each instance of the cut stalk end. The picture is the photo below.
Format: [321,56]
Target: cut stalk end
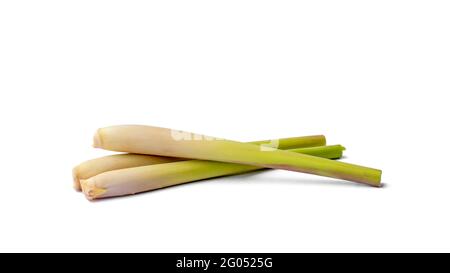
[90,189]
[377,181]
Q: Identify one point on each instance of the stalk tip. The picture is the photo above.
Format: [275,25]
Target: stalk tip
[380,184]
[376,179]
[76,180]
[97,139]
[90,189]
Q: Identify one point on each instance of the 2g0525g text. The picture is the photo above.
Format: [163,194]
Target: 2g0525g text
[246,262]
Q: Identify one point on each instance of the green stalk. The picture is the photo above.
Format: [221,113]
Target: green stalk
[166,142]
[146,178]
[96,166]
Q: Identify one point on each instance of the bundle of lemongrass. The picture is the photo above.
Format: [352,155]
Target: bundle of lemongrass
[155,158]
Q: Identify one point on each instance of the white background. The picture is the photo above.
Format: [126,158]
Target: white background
[371,75]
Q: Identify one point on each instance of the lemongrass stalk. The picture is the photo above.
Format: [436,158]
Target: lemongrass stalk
[146,178]
[166,142]
[96,166]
